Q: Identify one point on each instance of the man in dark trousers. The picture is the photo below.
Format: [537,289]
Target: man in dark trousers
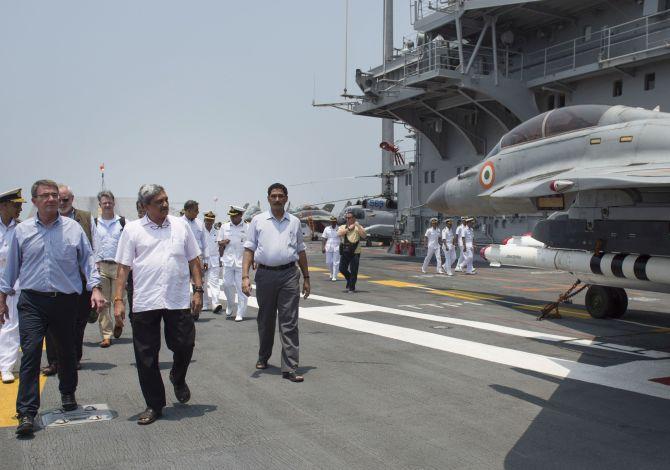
[274,243]
[351,234]
[161,250]
[48,254]
[83,218]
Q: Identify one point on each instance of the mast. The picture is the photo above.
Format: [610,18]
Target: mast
[387,124]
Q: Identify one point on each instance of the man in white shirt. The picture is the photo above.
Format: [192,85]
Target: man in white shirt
[461,248]
[106,234]
[274,242]
[163,254]
[191,211]
[213,273]
[232,236]
[432,240]
[330,245]
[468,242]
[448,246]
[10,209]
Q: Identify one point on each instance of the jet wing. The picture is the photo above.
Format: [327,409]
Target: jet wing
[610,177]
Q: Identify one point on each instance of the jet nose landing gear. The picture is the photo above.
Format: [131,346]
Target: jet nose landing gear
[603,302]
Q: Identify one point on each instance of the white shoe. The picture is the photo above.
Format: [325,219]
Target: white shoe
[423,271]
[239,318]
[458,269]
[471,272]
[450,274]
[440,272]
[7,377]
[333,279]
[229,312]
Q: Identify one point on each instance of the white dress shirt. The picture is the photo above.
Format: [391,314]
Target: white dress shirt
[237,234]
[433,236]
[212,247]
[459,235]
[106,238]
[332,239]
[468,236]
[275,242]
[159,257]
[200,233]
[448,236]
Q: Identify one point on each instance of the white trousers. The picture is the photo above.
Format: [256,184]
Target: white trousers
[468,258]
[213,291]
[461,257]
[9,336]
[449,257]
[433,250]
[333,262]
[232,283]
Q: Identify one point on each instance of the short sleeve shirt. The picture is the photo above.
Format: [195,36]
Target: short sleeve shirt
[275,242]
[433,236]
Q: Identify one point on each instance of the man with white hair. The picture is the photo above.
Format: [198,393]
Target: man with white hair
[164,255]
[232,236]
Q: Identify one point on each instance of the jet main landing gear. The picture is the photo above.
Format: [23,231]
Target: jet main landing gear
[603,302]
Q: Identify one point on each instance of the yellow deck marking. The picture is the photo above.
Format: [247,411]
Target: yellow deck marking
[8,394]
[394,283]
[567,312]
[454,294]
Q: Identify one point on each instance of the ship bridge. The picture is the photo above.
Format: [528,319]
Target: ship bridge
[499,57]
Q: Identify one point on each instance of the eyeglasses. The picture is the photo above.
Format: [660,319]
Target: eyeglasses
[47,196]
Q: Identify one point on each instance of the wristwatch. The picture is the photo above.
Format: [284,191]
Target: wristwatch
[198,289]
[96,287]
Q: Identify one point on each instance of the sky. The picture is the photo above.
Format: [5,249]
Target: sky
[209,98]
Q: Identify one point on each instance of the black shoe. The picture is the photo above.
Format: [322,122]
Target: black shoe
[261,364]
[148,416]
[26,425]
[292,376]
[68,401]
[182,392]
[217,309]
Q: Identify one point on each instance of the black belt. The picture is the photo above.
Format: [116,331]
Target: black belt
[46,294]
[107,261]
[277,268]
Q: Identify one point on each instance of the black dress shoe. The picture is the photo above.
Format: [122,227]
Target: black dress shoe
[49,370]
[181,391]
[292,376]
[68,401]
[217,309]
[148,416]
[26,425]
[261,364]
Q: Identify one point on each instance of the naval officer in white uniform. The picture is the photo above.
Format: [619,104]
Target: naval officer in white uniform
[461,247]
[330,245]
[10,208]
[468,242]
[448,246]
[433,235]
[213,273]
[232,236]
[191,212]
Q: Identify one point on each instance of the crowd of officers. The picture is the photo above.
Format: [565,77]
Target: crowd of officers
[446,240]
[64,268]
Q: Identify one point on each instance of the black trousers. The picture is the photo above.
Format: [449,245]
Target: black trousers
[82,311]
[129,290]
[180,339]
[349,269]
[37,314]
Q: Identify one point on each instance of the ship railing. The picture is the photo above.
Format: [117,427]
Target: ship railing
[599,47]
[418,9]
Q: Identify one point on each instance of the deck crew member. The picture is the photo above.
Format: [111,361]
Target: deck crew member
[213,274]
[274,242]
[108,228]
[161,250]
[448,246]
[351,234]
[47,254]
[432,239]
[468,242]
[461,248]
[330,245]
[10,209]
[232,237]
[84,313]
[191,212]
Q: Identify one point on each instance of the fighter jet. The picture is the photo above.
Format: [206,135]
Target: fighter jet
[604,172]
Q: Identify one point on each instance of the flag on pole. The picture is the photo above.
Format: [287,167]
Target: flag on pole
[102,168]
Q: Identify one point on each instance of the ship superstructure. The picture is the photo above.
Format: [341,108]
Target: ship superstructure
[480,67]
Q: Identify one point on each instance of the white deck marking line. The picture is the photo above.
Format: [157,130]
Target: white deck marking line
[433,305]
[473,303]
[411,306]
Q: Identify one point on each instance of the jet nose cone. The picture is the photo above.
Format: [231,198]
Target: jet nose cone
[438,200]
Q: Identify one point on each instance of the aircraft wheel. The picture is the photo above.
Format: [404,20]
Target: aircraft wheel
[620,304]
[599,301]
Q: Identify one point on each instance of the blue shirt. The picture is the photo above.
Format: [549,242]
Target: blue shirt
[49,259]
[275,242]
[106,238]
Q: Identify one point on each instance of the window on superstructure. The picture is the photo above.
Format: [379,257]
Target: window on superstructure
[425,177]
[588,29]
[617,88]
[650,81]
[432,176]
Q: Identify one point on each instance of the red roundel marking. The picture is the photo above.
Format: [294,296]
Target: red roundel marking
[487,175]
